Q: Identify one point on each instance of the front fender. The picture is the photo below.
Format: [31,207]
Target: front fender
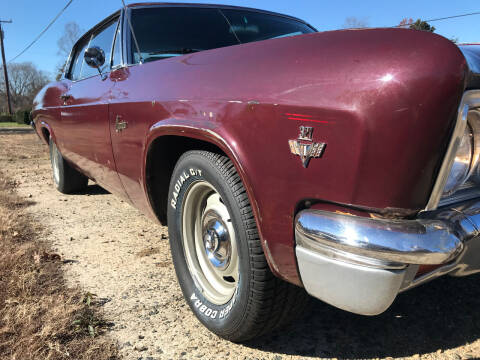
[218,137]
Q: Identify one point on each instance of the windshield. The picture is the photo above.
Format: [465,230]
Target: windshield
[164,32]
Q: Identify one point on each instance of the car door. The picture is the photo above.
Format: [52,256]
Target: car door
[85,134]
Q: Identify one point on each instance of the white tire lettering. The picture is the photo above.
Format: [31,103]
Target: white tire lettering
[204,309]
[179,183]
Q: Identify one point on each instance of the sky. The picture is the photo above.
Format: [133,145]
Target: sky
[31,16]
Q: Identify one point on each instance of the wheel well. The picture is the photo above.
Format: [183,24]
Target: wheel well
[162,156]
[46,135]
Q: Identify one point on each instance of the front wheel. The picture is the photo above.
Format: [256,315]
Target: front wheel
[217,252]
[66,179]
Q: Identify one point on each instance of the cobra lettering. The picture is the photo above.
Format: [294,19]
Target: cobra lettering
[227,310]
[179,183]
[204,309]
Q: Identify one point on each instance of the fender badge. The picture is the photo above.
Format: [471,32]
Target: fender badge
[305,147]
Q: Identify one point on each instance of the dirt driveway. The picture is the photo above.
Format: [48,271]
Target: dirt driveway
[115,252]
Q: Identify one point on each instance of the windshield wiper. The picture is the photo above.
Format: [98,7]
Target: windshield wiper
[174,51]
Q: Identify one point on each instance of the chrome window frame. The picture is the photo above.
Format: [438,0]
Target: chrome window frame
[118,35]
[470,100]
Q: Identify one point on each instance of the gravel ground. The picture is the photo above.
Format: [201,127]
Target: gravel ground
[112,250]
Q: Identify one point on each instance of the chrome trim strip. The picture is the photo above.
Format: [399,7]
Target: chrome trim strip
[388,242]
[470,99]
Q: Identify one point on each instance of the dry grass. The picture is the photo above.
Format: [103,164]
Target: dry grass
[40,317]
[15,147]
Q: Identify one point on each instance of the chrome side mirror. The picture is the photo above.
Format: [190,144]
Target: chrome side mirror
[95,57]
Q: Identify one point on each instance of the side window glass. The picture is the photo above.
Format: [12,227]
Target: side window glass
[104,40]
[117,49]
[77,61]
[166,32]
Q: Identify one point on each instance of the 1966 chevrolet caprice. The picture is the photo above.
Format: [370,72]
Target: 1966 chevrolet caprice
[342,162]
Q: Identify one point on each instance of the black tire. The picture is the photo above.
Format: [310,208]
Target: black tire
[66,179]
[261,302]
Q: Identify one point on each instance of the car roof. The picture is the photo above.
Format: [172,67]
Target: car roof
[214,6]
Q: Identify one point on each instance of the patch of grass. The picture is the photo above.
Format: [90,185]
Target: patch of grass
[13,125]
[40,317]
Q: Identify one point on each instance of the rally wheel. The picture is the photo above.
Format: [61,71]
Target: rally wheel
[217,252]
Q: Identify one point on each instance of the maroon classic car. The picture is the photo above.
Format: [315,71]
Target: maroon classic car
[342,164]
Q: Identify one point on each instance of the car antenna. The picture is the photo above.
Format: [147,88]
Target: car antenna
[133,33]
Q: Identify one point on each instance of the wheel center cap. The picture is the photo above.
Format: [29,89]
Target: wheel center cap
[216,241]
[211,240]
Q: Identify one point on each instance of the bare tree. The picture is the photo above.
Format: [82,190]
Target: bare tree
[71,33]
[353,22]
[25,81]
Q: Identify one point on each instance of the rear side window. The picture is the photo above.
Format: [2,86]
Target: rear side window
[256,26]
[102,38]
[164,32]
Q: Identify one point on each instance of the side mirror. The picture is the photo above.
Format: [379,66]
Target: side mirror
[95,57]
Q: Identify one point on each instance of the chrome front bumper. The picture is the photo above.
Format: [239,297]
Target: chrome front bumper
[360,264]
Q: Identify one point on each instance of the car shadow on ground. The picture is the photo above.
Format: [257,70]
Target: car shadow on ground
[442,314]
[94,189]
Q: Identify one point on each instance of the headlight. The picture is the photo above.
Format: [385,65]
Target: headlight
[474,120]
[459,176]
[462,163]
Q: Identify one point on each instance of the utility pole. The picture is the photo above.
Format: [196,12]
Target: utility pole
[5,67]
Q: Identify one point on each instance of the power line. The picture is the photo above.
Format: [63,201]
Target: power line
[445,18]
[43,31]
[454,16]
